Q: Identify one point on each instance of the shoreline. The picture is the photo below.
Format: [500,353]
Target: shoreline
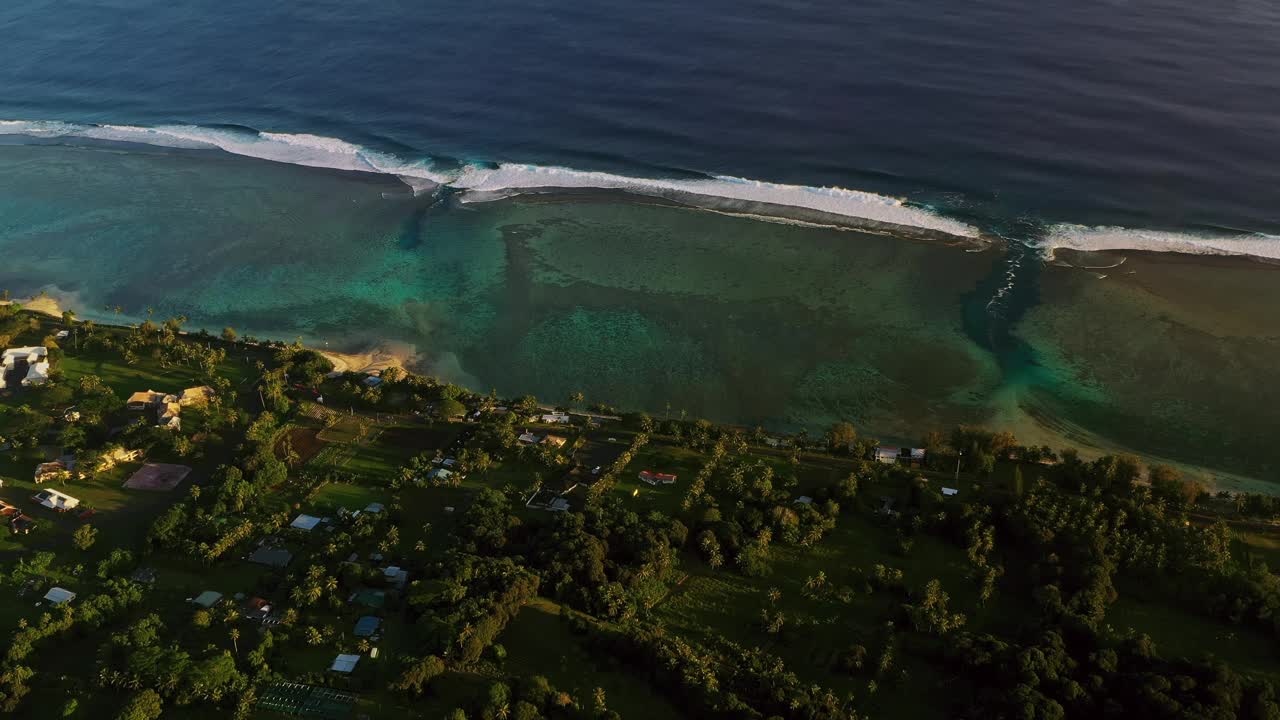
[378,356]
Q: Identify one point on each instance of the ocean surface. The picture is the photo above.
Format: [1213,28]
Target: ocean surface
[760,212]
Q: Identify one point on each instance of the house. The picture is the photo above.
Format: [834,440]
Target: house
[373,381]
[275,557]
[367,626]
[21,524]
[439,474]
[529,438]
[28,366]
[555,418]
[891,455]
[654,478]
[950,492]
[374,507]
[345,663]
[256,608]
[197,396]
[396,576]
[305,522]
[144,400]
[548,500]
[55,500]
[59,596]
[117,455]
[144,575]
[169,415]
[888,455]
[207,599]
[369,597]
[554,440]
[804,500]
[7,510]
[50,471]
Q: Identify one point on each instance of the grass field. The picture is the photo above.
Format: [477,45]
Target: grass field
[345,430]
[1261,545]
[1181,634]
[538,642]
[346,495]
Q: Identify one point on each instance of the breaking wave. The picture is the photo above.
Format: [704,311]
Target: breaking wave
[480,182]
[723,192]
[1081,237]
[296,149]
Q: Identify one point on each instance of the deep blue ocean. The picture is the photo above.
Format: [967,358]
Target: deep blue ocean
[1134,113]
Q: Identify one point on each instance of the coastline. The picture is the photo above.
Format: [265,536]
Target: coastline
[42,304]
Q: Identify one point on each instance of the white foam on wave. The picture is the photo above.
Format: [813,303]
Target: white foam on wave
[295,149]
[1081,237]
[512,179]
[486,183]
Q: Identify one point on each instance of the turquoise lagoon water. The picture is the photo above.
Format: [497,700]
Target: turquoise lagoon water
[640,305]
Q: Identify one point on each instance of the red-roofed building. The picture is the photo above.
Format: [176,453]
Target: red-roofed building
[657,478]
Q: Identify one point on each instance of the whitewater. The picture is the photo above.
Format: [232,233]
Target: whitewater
[480,182]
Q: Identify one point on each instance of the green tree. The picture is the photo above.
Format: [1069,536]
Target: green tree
[450,408]
[417,673]
[84,537]
[145,705]
[841,437]
[229,334]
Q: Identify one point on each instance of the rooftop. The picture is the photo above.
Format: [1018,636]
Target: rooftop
[345,663]
[58,596]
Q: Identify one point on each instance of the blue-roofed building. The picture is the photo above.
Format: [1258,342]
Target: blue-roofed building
[367,626]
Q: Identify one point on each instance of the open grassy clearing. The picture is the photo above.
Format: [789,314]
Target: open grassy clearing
[1178,633]
[539,643]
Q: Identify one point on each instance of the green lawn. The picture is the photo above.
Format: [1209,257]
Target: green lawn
[1178,633]
[1264,546]
[346,495]
[539,643]
[127,379]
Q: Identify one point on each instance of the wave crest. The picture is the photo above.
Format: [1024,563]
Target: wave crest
[718,191]
[1086,238]
[478,183]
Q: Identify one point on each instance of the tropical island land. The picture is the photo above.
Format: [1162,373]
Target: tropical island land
[208,526]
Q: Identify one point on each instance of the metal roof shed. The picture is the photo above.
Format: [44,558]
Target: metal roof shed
[345,663]
[59,596]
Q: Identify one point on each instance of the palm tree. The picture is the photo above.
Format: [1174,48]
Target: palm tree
[235,637]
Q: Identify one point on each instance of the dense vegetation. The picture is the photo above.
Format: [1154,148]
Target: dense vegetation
[777,577]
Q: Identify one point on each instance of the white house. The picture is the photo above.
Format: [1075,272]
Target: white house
[34,358]
[55,500]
